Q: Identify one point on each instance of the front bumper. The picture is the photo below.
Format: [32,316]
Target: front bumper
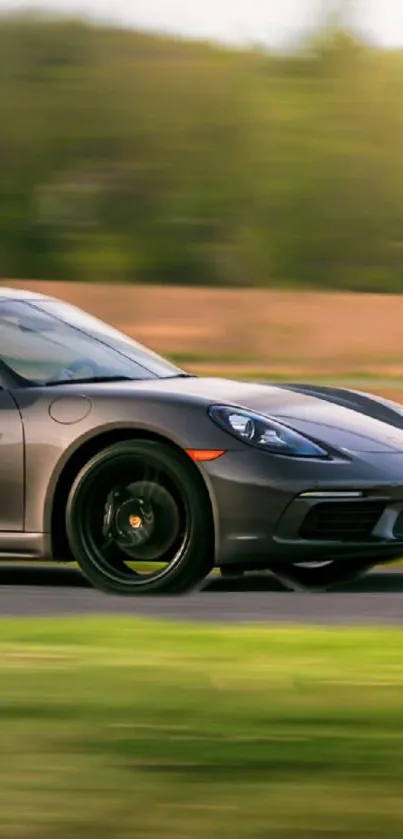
[265,508]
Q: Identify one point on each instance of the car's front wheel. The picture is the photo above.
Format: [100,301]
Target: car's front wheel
[138,521]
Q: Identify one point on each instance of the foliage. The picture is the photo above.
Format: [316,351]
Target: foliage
[122,727]
[127,156]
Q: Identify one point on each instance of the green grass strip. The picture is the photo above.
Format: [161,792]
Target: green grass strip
[128,728]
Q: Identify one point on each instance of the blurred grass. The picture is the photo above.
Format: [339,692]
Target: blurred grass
[221,366]
[123,728]
[270,376]
[238,363]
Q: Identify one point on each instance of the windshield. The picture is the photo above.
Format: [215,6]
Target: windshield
[50,342]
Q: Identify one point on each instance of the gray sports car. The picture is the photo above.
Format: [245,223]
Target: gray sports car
[148,476]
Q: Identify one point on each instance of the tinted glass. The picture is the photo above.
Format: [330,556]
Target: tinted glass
[52,342]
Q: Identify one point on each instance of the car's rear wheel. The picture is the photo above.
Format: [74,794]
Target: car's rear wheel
[138,521]
[320,576]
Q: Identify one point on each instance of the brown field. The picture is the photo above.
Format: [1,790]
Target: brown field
[296,334]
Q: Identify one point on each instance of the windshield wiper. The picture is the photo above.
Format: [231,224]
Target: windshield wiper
[89,380]
[182,376]
[100,379]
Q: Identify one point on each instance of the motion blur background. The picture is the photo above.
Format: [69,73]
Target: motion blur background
[149,159]
[223,181]
[269,158]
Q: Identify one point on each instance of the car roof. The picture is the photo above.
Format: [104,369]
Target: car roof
[21,294]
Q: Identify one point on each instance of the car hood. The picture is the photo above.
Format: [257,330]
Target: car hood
[316,416]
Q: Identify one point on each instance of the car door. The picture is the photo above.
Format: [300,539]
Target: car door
[11,465]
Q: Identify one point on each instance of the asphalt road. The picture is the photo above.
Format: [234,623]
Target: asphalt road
[377,599]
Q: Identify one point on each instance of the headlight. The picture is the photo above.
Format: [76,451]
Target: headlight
[264,433]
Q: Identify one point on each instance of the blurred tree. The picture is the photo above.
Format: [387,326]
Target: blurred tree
[136,158]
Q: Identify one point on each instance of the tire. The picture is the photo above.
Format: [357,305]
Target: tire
[139,502]
[320,576]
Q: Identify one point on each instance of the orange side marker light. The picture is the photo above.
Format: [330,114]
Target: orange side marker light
[204,454]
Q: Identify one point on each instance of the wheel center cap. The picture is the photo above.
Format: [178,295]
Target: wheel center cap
[135,521]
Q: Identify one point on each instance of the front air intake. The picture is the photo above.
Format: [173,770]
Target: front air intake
[398,528]
[344,521]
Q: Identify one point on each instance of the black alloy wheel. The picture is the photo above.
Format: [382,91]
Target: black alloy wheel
[138,520]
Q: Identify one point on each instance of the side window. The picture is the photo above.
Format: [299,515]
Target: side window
[43,348]
[26,344]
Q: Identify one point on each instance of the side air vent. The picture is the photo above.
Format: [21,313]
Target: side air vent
[342,521]
[398,528]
